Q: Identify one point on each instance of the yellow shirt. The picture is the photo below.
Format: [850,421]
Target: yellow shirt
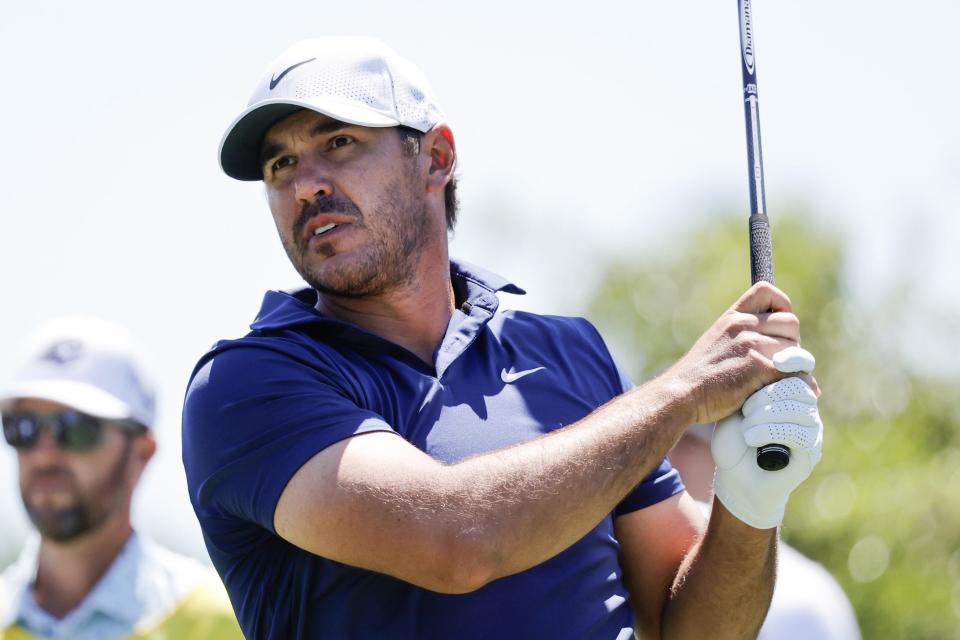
[205,614]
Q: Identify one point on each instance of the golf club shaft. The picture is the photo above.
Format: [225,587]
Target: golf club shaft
[769,457]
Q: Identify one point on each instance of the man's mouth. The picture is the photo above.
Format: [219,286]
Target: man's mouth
[319,231]
[47,483]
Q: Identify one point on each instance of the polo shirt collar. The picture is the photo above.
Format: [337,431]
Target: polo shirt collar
[471,274]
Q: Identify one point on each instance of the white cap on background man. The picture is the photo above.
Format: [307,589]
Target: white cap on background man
[88,364]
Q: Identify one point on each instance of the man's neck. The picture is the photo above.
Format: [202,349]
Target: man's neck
[414,315]
[68,571]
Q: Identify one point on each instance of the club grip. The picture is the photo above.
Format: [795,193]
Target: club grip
[770,457]
[761,250]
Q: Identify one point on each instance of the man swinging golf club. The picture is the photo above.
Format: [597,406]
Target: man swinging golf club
[388,455]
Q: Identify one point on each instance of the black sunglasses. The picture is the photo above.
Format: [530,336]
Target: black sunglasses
[72,430]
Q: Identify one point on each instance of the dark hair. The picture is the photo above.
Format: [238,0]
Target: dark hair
[411,147]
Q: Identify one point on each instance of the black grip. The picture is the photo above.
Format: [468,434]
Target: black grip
[773,457]
[770,457]
[761,250]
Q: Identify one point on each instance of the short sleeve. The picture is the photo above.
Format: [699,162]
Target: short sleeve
[662,483]
[252,417]
[659,485]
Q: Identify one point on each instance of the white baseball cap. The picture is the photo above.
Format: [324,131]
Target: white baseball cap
[86,363]
[357,80]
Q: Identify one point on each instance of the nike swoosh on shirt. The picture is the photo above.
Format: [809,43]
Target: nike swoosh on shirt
[513,376]
[275,81]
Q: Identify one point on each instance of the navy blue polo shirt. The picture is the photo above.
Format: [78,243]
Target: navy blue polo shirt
[259,407]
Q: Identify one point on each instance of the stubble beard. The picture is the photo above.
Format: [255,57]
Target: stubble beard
[397,233]
[89,510]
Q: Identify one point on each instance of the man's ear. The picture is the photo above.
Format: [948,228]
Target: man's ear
[442,152]
[145,446]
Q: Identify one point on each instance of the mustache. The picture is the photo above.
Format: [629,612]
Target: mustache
[325,204]
[50,472]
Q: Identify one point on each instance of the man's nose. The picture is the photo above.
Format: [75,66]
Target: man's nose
[312,181]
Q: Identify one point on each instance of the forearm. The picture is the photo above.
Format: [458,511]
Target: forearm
[724,586]
[377,502]
[527,503]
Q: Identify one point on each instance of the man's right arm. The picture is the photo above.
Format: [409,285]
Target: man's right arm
[375,501]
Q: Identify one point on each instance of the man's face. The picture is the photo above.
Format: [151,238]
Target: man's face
[349,203]
[69,493]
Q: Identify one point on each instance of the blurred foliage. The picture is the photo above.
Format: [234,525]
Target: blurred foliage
[879,511]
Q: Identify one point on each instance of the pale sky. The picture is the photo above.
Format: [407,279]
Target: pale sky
[582,129]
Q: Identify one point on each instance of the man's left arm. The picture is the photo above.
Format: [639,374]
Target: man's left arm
[653,544]
[685,582]
[722,581]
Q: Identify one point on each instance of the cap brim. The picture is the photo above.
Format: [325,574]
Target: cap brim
[77,395]
[240,147]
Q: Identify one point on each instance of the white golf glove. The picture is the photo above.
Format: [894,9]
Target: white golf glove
[784,412]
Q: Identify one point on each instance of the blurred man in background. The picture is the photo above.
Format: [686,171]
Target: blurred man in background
[807,601]
[79,414]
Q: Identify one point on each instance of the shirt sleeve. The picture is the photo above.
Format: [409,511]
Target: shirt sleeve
[252,417]
[662,483]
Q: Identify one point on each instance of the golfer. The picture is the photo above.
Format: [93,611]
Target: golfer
[387,454]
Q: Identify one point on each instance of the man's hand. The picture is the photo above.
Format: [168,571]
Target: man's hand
[784,412]
[734,357]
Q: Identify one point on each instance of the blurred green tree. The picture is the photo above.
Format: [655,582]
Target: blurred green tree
[880,510]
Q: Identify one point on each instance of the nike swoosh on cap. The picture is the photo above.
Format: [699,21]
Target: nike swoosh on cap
[513,376]
[275,81]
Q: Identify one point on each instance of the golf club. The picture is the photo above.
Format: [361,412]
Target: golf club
[771,457]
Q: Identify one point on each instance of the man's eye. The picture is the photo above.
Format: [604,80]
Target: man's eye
[340,141]
[280,163]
